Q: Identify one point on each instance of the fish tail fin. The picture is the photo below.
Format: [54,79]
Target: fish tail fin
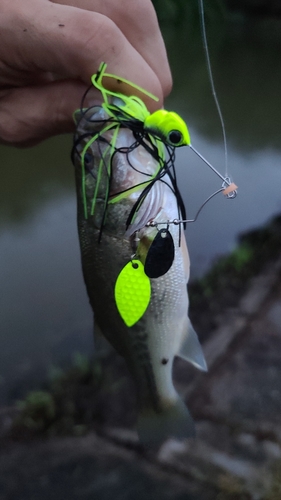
[174,421]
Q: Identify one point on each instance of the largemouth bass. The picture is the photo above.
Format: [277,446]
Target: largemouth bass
[109,181]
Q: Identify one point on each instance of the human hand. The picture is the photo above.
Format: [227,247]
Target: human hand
[50,49]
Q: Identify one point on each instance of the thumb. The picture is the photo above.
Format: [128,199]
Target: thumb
[30,114]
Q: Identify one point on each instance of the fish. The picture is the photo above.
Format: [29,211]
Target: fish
[110,181]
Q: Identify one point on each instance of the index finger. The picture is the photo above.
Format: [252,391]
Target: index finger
[137,20]
[73,42]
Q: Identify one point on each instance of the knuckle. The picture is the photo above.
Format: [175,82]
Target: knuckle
[13,129]
[145,9]
[141,15]
[10,132]
[99,43]
[130,11]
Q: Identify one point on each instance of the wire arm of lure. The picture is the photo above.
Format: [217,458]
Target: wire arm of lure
[177,222]
[228,187]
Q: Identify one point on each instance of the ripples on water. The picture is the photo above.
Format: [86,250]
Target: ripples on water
[45,314]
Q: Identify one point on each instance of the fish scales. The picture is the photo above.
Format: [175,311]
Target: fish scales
[150,345]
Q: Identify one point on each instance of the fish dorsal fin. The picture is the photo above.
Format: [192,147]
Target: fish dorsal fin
[191,349]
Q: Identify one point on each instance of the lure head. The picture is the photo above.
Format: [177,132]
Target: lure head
[126,108]
[168,126]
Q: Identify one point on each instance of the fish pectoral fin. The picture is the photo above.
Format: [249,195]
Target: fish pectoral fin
[191,350]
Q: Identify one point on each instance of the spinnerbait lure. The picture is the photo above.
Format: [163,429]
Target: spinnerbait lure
[159,133]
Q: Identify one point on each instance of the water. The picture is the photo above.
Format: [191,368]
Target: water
[45,316]
[247,75]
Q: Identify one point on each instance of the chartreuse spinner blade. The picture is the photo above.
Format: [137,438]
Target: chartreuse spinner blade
[132,292]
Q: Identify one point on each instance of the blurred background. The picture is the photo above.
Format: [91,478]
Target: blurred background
[44,310]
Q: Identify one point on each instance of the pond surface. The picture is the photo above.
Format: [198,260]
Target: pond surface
[45,316]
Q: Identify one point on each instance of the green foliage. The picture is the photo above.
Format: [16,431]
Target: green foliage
[56,409]
[86,395]
[37,409]
[241,257]
[83,364]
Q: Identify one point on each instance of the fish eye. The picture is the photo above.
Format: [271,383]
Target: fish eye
[175,137]
[87,158]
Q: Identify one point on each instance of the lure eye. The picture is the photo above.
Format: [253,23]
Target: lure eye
[175,137]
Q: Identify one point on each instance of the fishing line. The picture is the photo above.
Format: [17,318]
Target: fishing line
[210,73]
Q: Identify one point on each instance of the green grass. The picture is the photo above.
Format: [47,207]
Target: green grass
[90,393]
